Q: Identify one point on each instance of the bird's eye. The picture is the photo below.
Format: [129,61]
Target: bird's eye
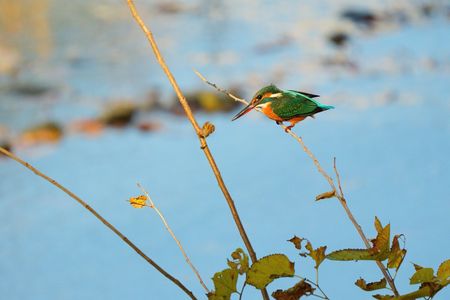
[259,97]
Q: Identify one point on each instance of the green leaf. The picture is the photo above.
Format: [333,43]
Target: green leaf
[379,251]
[224,284]
[268,268]
[422,275]
[317,254]
[396,255]
[423,291]
[302,288]
[239,262]
[297,241]
[443,272]
[371,286]
[350,254]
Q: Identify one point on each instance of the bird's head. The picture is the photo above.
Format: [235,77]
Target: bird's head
[262,97]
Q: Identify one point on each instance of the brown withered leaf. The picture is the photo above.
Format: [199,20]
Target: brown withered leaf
[300,289]
[371,286]
[326,195]
[317,254]
[297,241]
[396,255]
[139,201]
[239,262]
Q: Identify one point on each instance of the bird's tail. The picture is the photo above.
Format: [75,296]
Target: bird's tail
[326,107]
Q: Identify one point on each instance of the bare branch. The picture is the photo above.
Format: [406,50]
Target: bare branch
[103,220]
[198,130]
[161,216]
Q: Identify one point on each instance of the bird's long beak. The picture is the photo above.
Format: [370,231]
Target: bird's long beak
[245,110]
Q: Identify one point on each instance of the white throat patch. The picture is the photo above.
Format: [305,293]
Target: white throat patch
[276,95]
[262,106]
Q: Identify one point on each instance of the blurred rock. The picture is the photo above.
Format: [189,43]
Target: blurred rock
[147,126]
[49,132]
[30,88]
[119,114]
[171,7]
[207,101]
[339,38]
[360,17]
[88,126]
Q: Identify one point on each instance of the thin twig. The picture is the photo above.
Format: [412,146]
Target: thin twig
[161,216]
[316,285]
[220,89]
[338,178]
[103,220]
[198,131]
[242,290]
[358,228]
[339,196]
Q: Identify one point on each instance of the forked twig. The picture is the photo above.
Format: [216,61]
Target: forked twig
[338,194]
[186,257]
[103,220]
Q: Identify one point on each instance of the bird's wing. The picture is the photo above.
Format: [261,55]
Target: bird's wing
[305,94]
[287,107]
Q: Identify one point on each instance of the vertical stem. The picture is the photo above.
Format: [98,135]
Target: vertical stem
[202,139]
[163,219]
[103,220]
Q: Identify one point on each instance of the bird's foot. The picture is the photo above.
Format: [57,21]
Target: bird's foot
[288,128]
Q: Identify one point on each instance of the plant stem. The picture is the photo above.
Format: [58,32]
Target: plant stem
[103,220]
[186,257]
[338,194]
[198,130]
[242,290]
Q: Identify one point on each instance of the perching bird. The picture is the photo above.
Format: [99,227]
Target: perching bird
[284,105]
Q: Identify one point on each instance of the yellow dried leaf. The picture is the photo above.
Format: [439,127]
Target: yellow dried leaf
[317,254]
[381,243]
[138,202]
[443,272]
[378,225]
[325,195]
[396,255]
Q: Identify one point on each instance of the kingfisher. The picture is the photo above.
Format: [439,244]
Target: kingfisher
[284,105]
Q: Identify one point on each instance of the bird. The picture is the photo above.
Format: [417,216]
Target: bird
[284,105]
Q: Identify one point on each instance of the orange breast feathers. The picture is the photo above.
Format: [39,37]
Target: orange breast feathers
[267,110]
